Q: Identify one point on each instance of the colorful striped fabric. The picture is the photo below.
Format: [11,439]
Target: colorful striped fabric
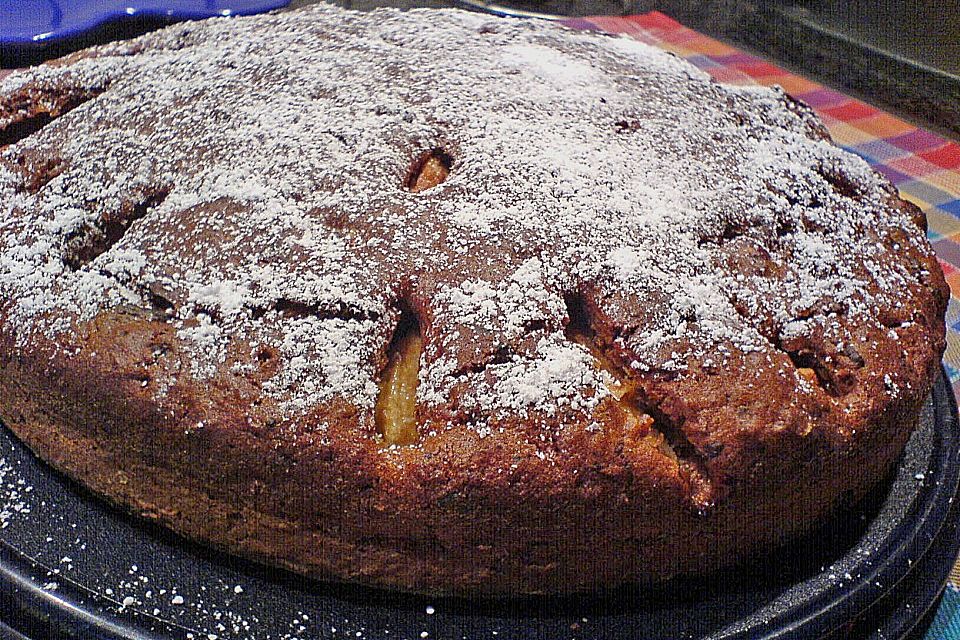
[925,168]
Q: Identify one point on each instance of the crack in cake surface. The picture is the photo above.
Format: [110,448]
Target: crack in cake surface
[95,239]
[25,112]
[661,433]
[395,413]
[429,170]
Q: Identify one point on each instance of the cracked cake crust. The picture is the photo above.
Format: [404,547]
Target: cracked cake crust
[660,324]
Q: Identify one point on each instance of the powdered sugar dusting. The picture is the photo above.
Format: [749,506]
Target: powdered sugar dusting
[546,380]
[265,157]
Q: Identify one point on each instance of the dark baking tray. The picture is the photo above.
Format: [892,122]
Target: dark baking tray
[68,563]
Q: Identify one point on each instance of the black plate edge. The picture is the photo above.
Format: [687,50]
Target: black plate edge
[30,609]
[826,614]
[924,592]
[9,633]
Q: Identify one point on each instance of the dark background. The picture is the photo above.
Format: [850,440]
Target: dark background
[925,31]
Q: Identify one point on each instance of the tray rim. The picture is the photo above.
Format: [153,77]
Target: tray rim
[831,614]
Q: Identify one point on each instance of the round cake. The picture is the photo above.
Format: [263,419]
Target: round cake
[451,303]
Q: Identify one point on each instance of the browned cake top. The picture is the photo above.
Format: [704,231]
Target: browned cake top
[253,181]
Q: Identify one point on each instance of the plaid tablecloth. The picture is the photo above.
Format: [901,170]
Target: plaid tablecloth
[924,166]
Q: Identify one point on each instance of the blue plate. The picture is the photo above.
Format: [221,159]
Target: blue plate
[25,22]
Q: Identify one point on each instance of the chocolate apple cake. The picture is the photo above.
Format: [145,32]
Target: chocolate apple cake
[452,303]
